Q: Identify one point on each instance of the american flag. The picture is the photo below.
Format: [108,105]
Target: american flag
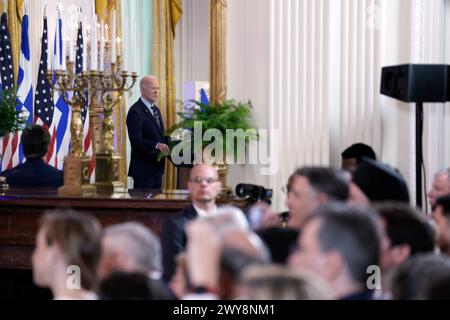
[43,100]
[62,113]
[84,110]
[7,83]
[13,155]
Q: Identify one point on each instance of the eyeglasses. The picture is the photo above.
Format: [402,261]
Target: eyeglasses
[199,180]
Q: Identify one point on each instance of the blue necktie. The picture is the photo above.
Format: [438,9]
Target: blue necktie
[156,116]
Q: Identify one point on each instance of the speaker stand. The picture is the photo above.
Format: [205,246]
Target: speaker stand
[419,153]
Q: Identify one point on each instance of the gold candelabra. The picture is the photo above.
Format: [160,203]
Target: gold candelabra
[107,160]
[76,164]
[111,88]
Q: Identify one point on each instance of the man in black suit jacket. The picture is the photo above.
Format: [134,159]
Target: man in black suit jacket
[34,172]
[204,186]
[146,133]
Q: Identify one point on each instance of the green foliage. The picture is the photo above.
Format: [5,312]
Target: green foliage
[10,120]
[223,116]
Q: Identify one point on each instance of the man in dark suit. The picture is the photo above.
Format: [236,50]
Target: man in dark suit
[34,172]
[204,186]
[146,133]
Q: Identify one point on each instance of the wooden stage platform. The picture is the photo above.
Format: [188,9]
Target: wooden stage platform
[20,211]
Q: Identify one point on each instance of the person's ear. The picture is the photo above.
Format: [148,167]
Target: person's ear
[333,265]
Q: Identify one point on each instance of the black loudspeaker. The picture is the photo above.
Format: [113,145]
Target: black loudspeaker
[417,82]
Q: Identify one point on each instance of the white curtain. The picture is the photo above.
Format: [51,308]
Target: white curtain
[313,72]
[137,46]
[319,88]
[433,46]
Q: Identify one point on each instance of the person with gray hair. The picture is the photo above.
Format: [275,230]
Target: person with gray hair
[440,186]
[417,278]
[340,244]
[312,187]
[130,247]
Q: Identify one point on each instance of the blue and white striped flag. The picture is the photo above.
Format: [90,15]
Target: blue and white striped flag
[62,112]
[25,87]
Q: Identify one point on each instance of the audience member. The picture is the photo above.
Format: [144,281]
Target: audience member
[380,182]
[131,286]
[441,215]
[416,277]
[352,156]
[440,186]
[204,186]
[34,172]
[339,243]
[404,234]
[280,283]
[439,290]
[311,188]
[130,247]
[217,254]
[280,242]
[67,254]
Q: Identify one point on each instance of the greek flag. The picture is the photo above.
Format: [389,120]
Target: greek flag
[62,112]
[25,88]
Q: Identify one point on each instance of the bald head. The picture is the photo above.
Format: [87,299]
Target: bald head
[150,88]
[201,169]
[204,184]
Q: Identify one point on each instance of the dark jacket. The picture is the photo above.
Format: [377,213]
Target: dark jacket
[144,134]
[174,239]
[34,173]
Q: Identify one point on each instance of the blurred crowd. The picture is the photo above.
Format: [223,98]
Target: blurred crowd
[349,234]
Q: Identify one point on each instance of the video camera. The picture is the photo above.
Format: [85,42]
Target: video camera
[254,193]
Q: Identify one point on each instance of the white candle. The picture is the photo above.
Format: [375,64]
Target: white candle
[49,53]
[71,46]
[64,51]
[102,46]
[114,42]
[94,44]
[84,48]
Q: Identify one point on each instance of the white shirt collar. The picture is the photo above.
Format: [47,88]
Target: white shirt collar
[203,213]
[148,104]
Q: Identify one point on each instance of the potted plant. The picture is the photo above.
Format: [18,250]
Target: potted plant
[215,122]
[225,129]
[10,121]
